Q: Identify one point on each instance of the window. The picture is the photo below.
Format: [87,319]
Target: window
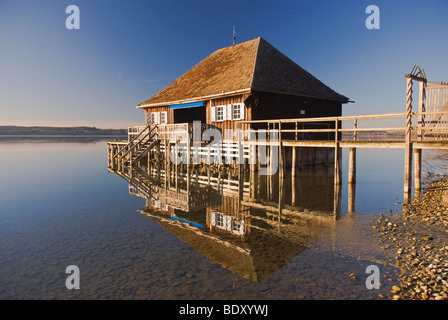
[227,112]
[163,117]
[237,226]
[154,117]
[157,117]
[219,219]
[220,113]
[236,111]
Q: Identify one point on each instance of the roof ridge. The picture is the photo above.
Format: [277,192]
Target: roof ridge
[255,63]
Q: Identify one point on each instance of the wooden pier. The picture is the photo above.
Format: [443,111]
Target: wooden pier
[175,143]
[273,145]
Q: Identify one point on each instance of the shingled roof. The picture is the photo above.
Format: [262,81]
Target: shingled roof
[254,65]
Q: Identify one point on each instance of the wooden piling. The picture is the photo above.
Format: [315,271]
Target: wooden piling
[253,158]
[352,157]
[417,169]
[293,190]
[337,156]
[352,166]
[351,197]
[408,143]
[280,151]
[293,161]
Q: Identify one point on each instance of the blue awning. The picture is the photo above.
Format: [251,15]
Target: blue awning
[187,105]
[194,224]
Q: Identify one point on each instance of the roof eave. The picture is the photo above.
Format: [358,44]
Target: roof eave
[206,97]
[343,99]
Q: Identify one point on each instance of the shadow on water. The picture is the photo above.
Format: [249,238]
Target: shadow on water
[249,223]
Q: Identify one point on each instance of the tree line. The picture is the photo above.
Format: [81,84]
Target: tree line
[38,130]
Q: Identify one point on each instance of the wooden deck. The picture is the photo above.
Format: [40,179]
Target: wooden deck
[267,145]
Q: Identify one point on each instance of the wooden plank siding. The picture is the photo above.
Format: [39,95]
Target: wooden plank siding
[160,109]
[264,106]
[227,125]
[271,106]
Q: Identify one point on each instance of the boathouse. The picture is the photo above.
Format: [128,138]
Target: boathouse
[236,91]
[248,81]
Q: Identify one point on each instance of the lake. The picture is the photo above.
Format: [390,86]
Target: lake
[133,238]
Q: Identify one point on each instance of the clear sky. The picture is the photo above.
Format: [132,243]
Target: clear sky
[126,51]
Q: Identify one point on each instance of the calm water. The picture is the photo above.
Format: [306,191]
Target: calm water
[61,206]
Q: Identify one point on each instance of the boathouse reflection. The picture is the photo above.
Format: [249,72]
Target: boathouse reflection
[251,224]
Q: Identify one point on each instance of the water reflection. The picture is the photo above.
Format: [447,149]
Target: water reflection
[249,223]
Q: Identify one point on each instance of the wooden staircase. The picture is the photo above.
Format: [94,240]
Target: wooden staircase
[139,146]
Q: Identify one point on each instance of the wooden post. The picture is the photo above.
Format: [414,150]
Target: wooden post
[252,185]
[293,161]
[167,152]
[189,157]
[293,189]
[295,131]
[168,162]
[351,197]
[188,180]
[352,166]
[352,157]
[209,176]
[337,155]
[176,177]
[408,147]
[240,188]
[421,132]
[337,201]
[253,157]
[417,170]
[280,197]
[240,153]
[421,108]
[280,151]
[269,171]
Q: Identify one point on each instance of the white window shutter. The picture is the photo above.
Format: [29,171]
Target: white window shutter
[224,112]
[229,112]
[228,223]
[153,118]
[164,117]
[157,117]
[242,109]
[212,113]
[212,218]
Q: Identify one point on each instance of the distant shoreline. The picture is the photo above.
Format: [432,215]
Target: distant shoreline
[59,131]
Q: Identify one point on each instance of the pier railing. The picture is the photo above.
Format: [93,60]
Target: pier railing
[348,128]
[173,132]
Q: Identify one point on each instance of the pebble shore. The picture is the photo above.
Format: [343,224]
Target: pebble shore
[416,242]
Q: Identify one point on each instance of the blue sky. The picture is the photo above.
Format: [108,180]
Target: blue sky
[126,51]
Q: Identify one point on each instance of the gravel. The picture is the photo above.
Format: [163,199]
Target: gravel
[416,242]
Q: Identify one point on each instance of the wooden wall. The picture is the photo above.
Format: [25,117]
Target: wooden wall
[228,124]
[269,106]
[159,109]
[282,106]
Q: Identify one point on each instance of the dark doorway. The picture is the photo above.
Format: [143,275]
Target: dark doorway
[190,114]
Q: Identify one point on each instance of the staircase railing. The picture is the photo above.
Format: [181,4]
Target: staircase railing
[131,145]
[138,143]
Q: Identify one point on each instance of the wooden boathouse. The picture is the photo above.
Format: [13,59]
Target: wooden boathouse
[248,81]
[249,104]
[251,81]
